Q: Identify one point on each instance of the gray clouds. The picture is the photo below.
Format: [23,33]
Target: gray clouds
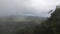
[27,7]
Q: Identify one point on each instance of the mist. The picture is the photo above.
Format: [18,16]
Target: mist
[29,16]
[27,7]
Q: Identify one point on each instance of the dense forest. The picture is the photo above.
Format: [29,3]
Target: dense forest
[29,16]
[50,26]
[32,25]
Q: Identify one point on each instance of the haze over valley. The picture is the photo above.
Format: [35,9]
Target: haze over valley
[29,16]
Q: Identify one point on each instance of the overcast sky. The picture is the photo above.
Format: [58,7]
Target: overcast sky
[27,7]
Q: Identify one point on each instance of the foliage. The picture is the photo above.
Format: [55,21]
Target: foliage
[50,26]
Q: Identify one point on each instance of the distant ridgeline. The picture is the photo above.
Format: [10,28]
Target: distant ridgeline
[18,18]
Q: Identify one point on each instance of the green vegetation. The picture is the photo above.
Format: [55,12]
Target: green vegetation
[50,26]
[32,25]
[9,25]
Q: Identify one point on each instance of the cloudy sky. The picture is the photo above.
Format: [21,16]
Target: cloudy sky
[27,7]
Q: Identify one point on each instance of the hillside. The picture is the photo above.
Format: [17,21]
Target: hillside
[52,24]
[12,24]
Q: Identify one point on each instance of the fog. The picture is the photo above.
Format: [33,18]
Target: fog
[27,7]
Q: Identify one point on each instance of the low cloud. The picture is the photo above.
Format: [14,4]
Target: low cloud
[27,7]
